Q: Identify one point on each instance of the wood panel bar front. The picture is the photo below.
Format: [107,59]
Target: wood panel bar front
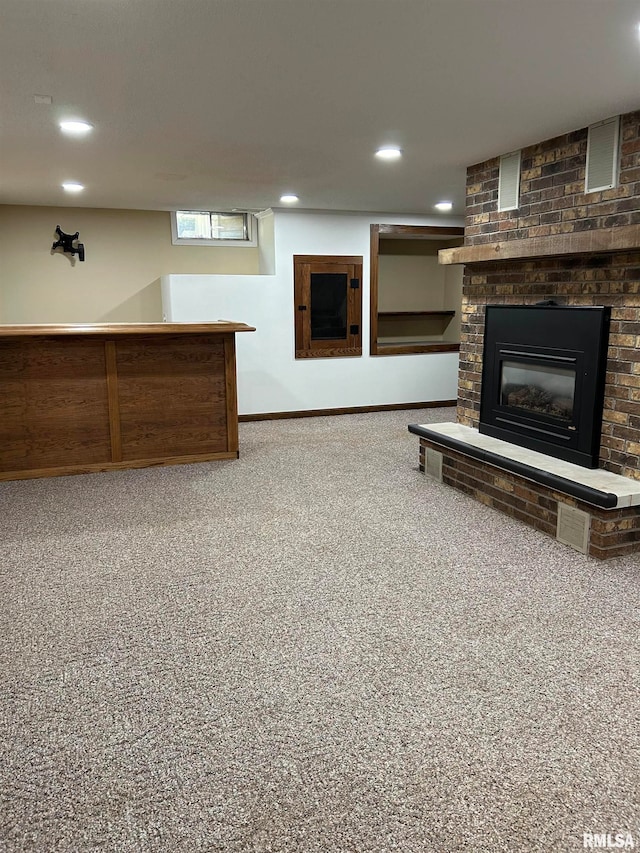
[111,366]
[84,398]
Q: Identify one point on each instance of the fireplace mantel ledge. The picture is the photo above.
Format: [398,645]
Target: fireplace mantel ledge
[599,241]
[595,486]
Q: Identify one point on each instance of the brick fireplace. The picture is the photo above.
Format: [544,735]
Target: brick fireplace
[578,249]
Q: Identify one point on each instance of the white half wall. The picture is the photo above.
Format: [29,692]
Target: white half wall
[270,378]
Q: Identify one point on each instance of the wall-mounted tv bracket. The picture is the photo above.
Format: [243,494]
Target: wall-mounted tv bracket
[66,241]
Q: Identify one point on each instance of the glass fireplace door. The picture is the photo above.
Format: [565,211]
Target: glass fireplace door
[543,378]
[538,389]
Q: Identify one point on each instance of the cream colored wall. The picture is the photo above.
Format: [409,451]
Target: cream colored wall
[453,300]
[126,253]
[411,279]
[410,283]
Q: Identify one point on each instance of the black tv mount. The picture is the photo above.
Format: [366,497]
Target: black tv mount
[66,241]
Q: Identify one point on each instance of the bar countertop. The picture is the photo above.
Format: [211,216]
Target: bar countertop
[218,327]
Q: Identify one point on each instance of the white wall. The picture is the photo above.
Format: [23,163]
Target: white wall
[270,379]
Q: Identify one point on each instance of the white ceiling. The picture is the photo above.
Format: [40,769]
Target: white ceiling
[229,103]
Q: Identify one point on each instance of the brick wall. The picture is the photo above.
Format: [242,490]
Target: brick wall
[552,197]
[552,201]
[612,533]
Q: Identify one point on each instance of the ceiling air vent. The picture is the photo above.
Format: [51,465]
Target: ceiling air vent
[602,155]
[509,181]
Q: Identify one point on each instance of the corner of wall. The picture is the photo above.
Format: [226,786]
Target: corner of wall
[165,296]
[266,242]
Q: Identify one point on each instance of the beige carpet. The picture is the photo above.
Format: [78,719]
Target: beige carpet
[314,649]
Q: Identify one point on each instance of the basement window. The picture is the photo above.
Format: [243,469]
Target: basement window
[212,228]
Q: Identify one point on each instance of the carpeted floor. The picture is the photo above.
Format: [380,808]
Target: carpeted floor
[314,648]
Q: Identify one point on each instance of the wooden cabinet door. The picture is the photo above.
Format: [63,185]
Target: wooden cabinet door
[328,306]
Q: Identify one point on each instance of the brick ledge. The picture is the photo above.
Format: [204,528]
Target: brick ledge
[598,241]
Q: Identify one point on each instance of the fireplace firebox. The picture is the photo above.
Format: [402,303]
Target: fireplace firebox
[543,378]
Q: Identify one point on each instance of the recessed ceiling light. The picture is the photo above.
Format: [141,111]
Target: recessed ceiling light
[75,128]
[72,187]
[389,152]
[289,198]
[443,205]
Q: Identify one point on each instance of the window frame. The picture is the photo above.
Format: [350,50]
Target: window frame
[252,231]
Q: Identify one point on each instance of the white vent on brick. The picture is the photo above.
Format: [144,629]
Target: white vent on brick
[509,181]
[602,155]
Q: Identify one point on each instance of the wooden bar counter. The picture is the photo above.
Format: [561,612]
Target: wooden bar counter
[82,398]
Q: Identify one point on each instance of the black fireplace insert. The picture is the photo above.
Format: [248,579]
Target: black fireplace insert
[543,378]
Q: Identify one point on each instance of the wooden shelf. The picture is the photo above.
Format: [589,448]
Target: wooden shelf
[409,348]
[598,241]
[416,313]
[423,325]
[403,332]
